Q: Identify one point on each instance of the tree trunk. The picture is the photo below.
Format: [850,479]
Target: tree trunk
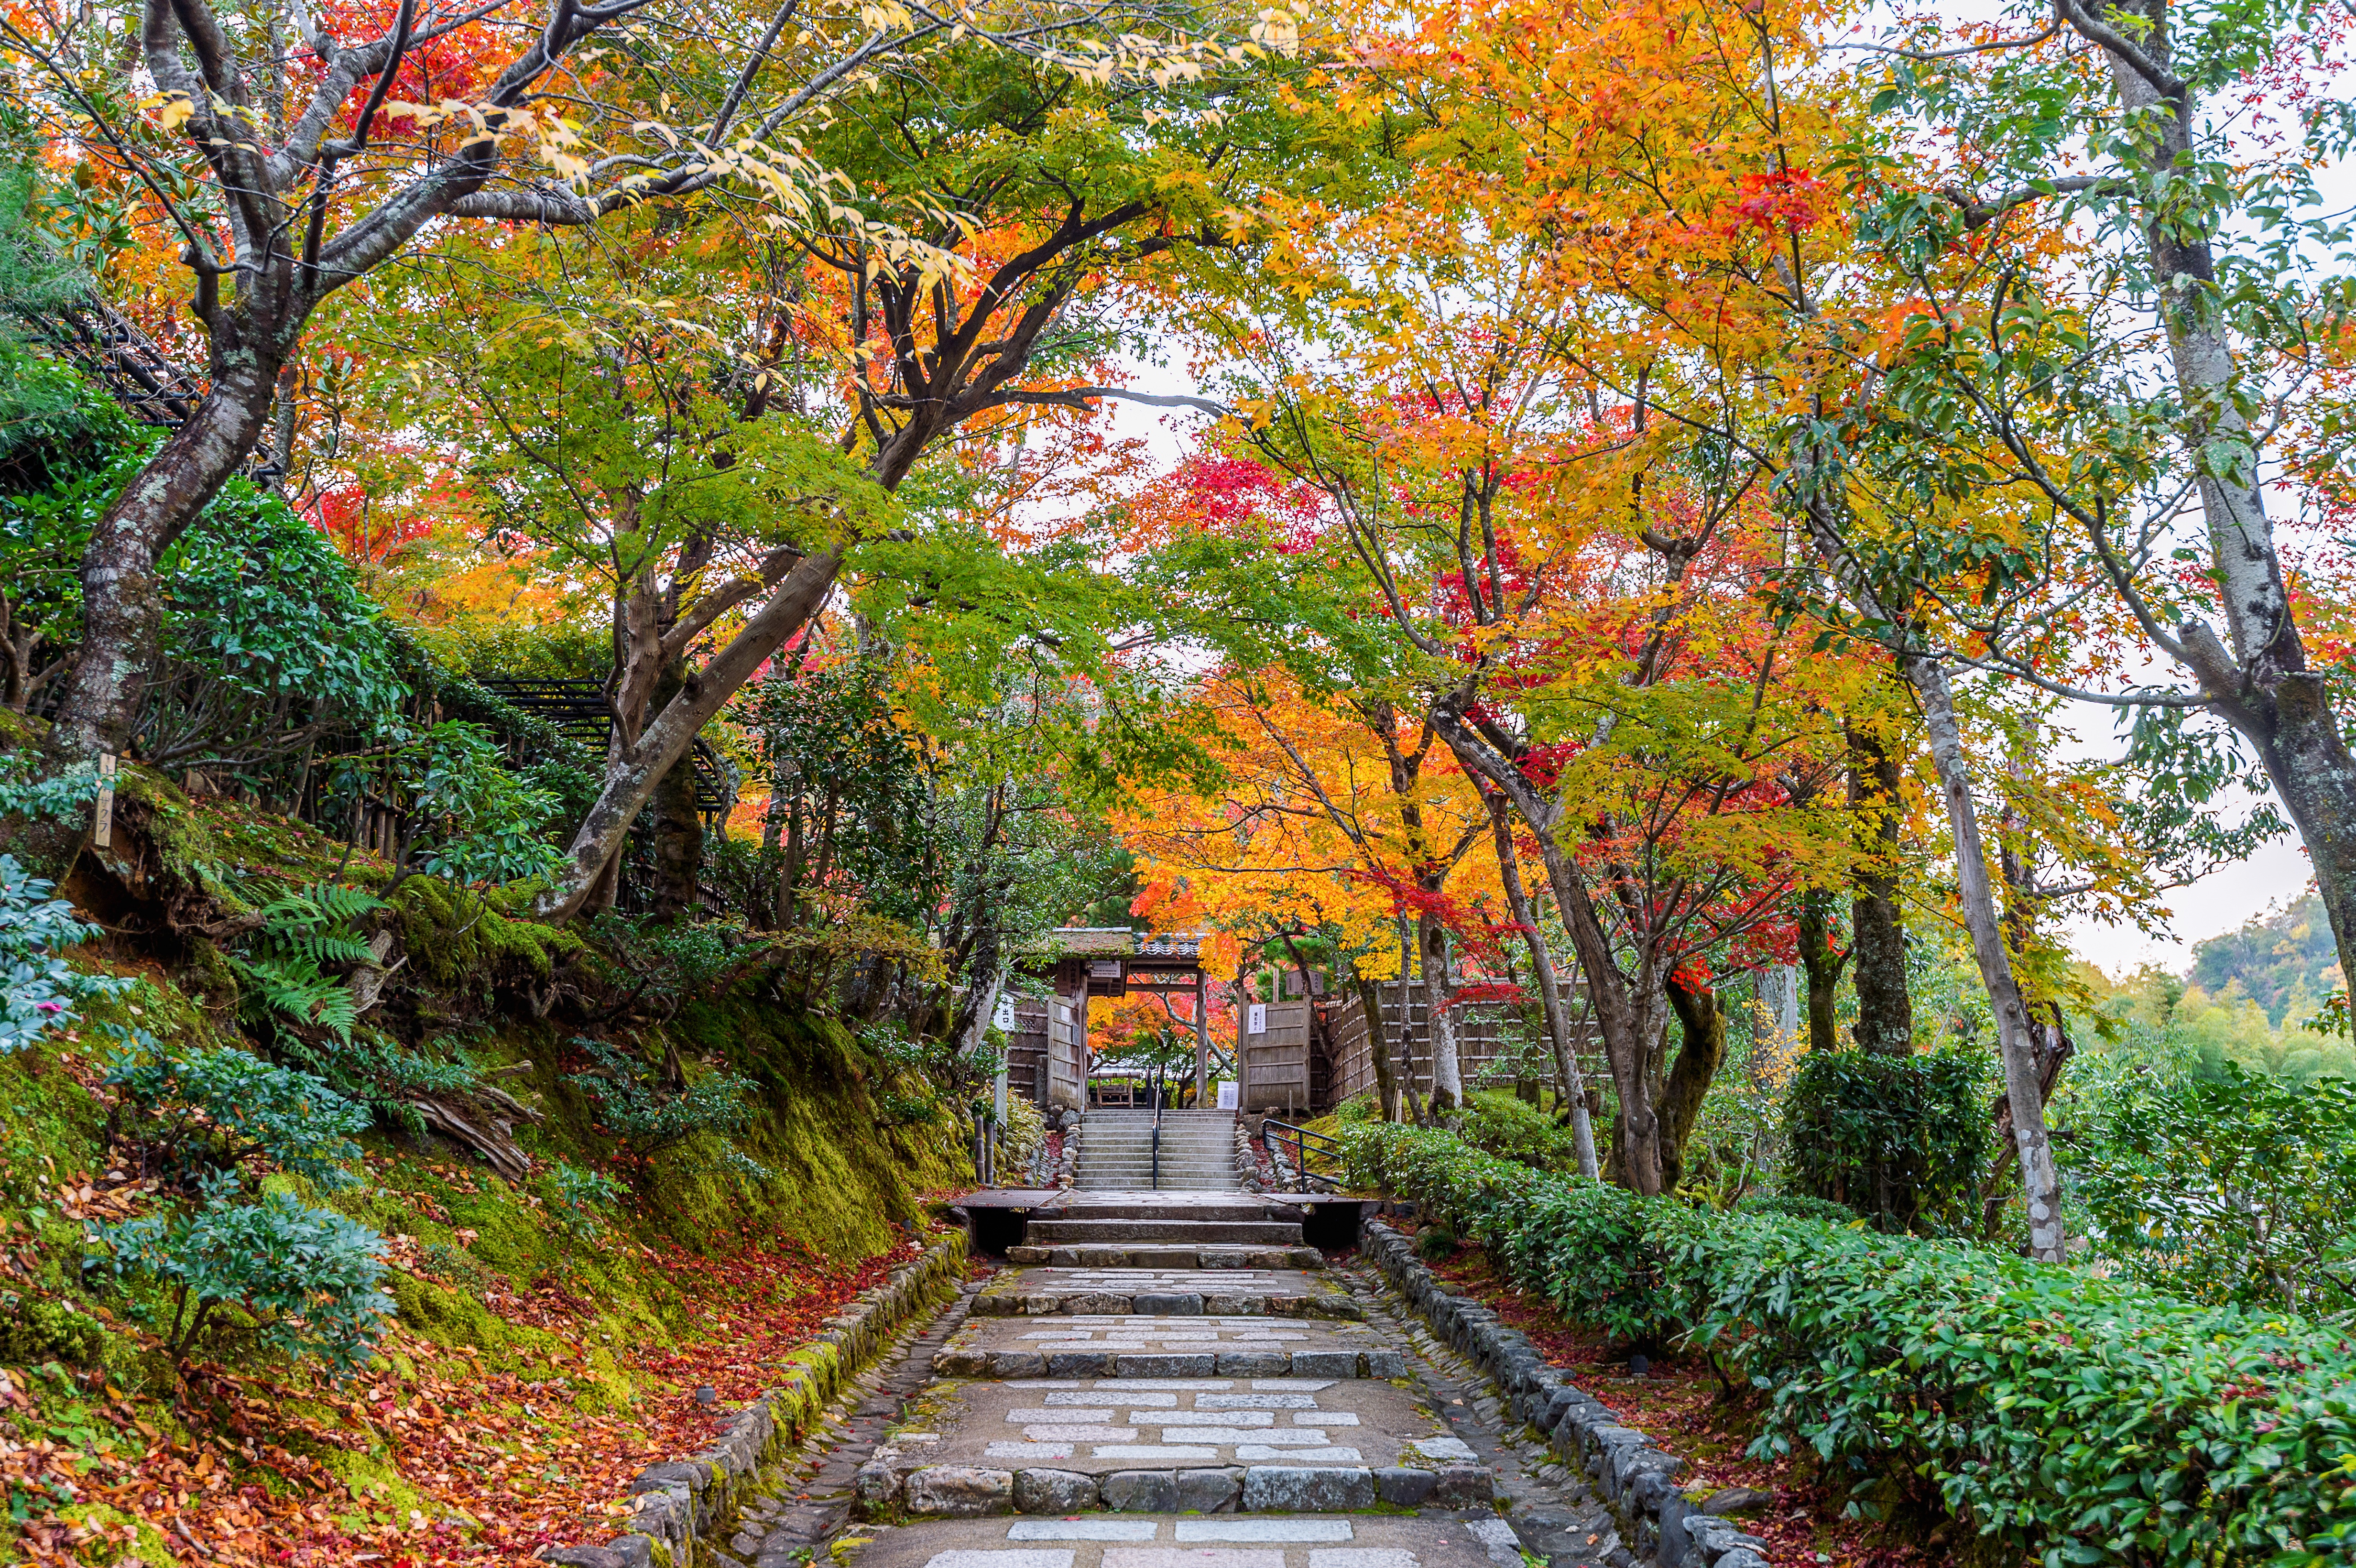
[2263,686]
[1379,1047]
[1447,1076]
[1885,1012]
[631,778]
[1566,1053]
[2016,1035]
[1701,1051]
[679,843]
[1629,1009]
[1824,963]
[123,602]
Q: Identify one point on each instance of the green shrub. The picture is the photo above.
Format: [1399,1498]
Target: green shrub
[37,988]
[579,1195]
[1500,1124]
[1799,1206]
[1435,1243]
[2088,1421]
[2224,1185]
[1021,1133]
[211,1110]
[278,1275]
[650,1118]
[1903,1140]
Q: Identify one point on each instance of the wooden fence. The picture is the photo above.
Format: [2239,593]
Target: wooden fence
[1488,1034]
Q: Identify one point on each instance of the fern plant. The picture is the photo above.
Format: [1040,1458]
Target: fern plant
[304,932]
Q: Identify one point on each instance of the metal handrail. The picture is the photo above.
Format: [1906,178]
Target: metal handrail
[1304,1143]
[1157,1140]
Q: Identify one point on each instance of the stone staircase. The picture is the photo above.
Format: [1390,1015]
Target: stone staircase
[1196,1229]
[1116,1152]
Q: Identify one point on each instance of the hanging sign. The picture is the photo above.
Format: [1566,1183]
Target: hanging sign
[1259,1018]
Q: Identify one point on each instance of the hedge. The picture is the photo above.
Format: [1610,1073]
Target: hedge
[2085,1420]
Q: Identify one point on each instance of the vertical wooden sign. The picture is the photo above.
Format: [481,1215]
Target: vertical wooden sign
[101,826]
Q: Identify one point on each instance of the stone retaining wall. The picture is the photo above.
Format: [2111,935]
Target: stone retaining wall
[1661,1524]
[677,1504]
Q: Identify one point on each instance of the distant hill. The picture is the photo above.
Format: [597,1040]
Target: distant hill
[2270,956]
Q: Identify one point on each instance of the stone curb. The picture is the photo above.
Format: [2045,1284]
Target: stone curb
[1007,1365]
[676,1503]
[886,1489]
[1015,1302]
[1068,1163]
[1637,1479]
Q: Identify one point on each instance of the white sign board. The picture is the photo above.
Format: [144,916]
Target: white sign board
[1004,1017]
[1257,1022]
[1227,1097]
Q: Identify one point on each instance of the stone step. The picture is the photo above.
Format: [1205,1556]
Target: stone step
[1015,1366]
[1160,1300]
[1160,1206]
[960,1491]
[1065,1232]
[1153,1255]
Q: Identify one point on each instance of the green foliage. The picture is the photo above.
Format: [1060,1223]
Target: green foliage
[579,1195]
[470,819]
[2088,1421]
[38,988]
[213,1109]
[387,1077]
[25,791]
[276,1274]
[650,1118]
[285,966]
[1800,1206]
[1499,1123]
[267,643]
[1901,1139]
[2224,1185]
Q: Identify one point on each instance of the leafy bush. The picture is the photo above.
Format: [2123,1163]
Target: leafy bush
[2089,1421]
[1903,1140]
[1800,1206]
[650,1118]
[387,1077]
[470,819]
[276,1274]
[1509,1128]
[2225,1184]
[37,988]
[579,1195]
[214,1109]
[1435,1243]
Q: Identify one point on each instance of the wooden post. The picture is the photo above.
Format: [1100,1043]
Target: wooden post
[1202,1040]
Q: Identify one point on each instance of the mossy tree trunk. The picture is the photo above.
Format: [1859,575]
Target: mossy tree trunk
[1701,1051]
[1885,1013]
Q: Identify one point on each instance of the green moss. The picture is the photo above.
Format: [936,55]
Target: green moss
[460,942]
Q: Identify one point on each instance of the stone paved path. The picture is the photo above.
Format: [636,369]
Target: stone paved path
[1171,1446]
